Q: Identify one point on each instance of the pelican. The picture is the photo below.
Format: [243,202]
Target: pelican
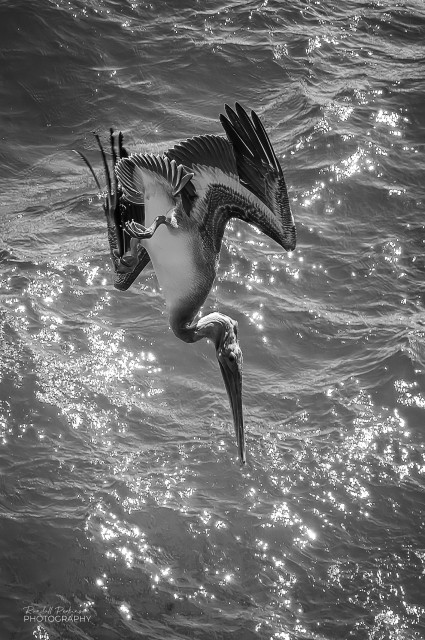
[172,209]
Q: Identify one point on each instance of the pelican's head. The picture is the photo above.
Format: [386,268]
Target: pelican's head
[229,356]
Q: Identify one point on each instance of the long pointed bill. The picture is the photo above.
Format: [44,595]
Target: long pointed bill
[232,376]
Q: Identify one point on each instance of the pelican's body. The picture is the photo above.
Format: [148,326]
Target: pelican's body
[175,208]
[178,260]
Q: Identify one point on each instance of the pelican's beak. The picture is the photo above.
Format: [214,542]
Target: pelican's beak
[231,370]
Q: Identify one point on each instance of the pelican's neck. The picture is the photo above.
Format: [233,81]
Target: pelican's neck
[213,327]
[217,327]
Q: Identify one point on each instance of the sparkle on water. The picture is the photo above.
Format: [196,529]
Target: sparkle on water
[120,487]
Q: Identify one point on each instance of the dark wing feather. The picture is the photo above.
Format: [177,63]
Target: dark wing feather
[208,150]
[259,171]
[118,210]
[163,167]
[265,143]
[123,281]
[257,164]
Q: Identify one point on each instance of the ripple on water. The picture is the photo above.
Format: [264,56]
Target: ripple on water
[120,489]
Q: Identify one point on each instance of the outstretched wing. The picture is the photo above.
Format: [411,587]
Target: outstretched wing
[118,211]
[259,169]
[141,174]
[209,150]
[221,197]
[239,177]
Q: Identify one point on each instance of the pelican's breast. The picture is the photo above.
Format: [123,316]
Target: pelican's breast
[184,272]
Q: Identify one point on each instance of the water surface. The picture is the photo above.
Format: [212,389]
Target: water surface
[121,495]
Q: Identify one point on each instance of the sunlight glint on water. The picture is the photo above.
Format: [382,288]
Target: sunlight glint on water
[121,495]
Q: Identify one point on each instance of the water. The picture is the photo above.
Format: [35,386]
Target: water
[121,495]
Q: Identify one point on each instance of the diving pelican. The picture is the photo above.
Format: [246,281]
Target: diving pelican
[172,209]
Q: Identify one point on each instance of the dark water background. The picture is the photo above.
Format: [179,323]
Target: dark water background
[121,495]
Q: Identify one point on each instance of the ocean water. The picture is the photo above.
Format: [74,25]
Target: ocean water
[124,512]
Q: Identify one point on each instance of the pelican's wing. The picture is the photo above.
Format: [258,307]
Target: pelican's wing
[257,194]
[247,164]
[117,211]
[222,196]
[258,167]
[209,150]
[247,153]
[126,268]
[146,174]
